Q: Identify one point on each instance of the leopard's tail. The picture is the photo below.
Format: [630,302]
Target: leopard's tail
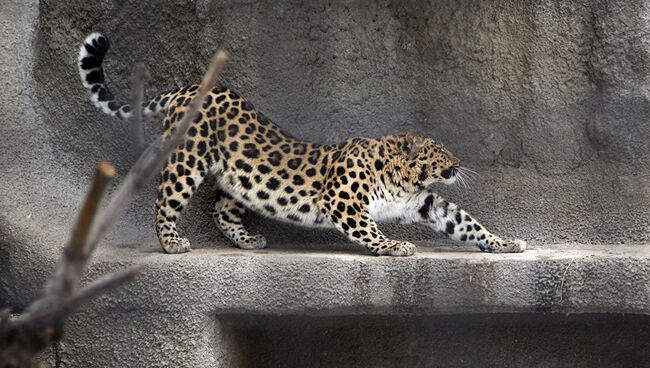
[91,57]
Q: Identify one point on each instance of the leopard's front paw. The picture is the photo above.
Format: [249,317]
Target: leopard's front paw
[398,249]
[252,242]
[497,245]
[516,246]
[180,245]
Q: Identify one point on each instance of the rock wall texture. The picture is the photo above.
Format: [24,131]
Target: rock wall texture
[548,101]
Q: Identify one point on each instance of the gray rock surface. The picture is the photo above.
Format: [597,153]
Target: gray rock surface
[549,101]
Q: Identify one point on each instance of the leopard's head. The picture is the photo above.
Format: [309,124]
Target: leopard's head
[423,162]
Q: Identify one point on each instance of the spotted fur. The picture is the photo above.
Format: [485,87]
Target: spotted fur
[347,186]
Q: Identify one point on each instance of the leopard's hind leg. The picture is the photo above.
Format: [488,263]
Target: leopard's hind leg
[228,214]
[184,173]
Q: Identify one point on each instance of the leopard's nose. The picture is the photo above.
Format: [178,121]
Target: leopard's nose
[449,172]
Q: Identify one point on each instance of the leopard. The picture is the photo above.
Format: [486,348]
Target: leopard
[350,186]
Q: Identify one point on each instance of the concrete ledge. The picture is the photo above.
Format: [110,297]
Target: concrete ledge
[567,279]
[195,310]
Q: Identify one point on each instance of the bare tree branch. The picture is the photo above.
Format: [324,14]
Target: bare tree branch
[100,286]
[42,323]
[74,259]
[136,123]
[104,172]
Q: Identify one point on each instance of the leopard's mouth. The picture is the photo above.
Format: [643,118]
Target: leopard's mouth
[450,181]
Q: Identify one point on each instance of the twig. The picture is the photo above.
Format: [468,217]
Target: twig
[100,286]
[69,304]
[104,172]
[72,264]
[136,123]
[563,278]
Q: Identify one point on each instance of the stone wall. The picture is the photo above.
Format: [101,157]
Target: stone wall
[548,101]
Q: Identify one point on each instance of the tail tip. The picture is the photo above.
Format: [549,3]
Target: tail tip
[91,57]
[95,44]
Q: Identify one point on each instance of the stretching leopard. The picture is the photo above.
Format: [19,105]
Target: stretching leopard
[348,186]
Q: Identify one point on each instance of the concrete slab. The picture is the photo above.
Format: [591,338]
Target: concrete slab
[193,310]
[577,279]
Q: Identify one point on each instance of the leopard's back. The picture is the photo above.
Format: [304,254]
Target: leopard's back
[253,160]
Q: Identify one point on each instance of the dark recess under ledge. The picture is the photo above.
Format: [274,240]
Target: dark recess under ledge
[483,340]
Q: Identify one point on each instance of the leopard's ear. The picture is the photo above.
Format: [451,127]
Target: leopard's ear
[412,144]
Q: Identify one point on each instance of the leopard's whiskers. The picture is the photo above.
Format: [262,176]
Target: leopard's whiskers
[468,171]
[467,174]
[467,180]
[463,180]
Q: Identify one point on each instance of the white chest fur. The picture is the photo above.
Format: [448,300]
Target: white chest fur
[402,208]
